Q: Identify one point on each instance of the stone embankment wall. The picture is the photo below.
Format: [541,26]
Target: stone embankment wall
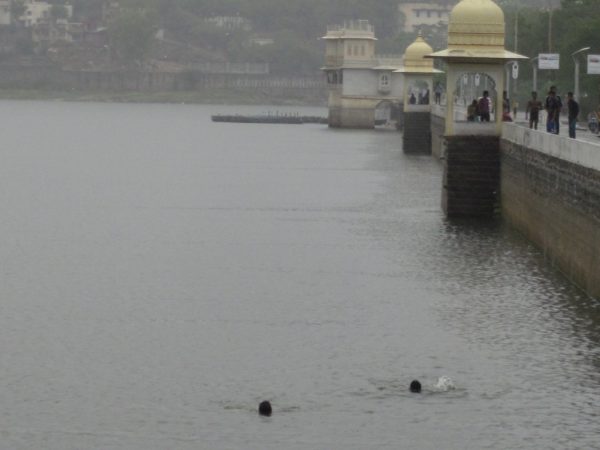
[40,76]
[550,192]
[548,189]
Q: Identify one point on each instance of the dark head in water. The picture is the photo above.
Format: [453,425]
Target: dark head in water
[415,386]
[264,409]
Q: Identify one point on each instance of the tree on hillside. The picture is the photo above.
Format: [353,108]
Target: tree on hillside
[58,12]
[579,31]
[17,8]
[131,35]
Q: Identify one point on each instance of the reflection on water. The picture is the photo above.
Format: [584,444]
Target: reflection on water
[163,274]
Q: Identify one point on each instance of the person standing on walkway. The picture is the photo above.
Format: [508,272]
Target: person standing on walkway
[553,108]
[533,109]
[438,93]
[573,113]
[472,112]
[483,107]
[506,107]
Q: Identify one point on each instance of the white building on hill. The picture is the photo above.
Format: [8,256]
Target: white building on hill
[37,12]
[5,17]
[416,13]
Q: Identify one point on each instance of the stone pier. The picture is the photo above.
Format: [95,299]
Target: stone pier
[417,133]
[471,176]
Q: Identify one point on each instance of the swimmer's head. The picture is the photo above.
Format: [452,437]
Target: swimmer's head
[264,409]
[415,386]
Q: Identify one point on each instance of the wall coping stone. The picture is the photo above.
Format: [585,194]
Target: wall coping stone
[585,154]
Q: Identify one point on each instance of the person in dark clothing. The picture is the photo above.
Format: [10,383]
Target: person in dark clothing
[533,109]
[472,112]
[438,93]
[506,107]
[573,107]
[553,108]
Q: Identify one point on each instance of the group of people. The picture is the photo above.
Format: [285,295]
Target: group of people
[422,100]
[479,110]
[443,384]
[553,106]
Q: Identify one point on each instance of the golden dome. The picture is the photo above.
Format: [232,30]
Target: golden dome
[476,23]
[417,50]
[414,56]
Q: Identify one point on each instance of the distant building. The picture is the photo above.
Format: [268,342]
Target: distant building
[110,10]
[364,88]
[37,12]
[416,13]
[51,33]
[261,41]
[230,22]
[97,37]
[5,16]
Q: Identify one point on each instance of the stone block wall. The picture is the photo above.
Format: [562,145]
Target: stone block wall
[357,117]
[416,138]
[555,204]
[471,176]
[438,125]
[350,112]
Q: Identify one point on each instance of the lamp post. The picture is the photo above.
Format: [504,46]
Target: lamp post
[507,75]
[535,69]
[576,61]
[516,42]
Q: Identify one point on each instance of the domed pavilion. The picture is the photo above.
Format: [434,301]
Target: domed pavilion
[476,31]
[418,79]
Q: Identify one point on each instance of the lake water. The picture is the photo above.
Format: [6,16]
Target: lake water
[161,274]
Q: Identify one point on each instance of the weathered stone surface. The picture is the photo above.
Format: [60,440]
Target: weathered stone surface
[416,137]
[438,125]
[471,176]
[556,205]
[357,117]
[335,117]
[351,112]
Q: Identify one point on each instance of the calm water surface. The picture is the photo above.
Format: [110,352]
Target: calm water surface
[162,274]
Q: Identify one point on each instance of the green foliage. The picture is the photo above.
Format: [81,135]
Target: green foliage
[88,8]
[563,30]
[296,25]
[58,12]
[17,8]
[131,35]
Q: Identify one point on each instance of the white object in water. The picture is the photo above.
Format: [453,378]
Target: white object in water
[444,384]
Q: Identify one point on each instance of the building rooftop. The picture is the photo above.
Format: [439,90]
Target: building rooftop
[354,29]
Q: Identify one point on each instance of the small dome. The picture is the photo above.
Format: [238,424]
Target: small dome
[476,23]
[414,56]
[417,50]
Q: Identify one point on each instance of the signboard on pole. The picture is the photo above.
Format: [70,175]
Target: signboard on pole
[593,64]
[548,61]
